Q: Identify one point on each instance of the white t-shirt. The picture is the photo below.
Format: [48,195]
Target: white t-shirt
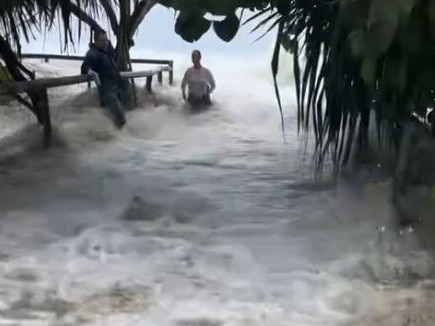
[199,81]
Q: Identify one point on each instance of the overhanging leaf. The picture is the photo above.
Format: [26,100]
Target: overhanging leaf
[222,7]
[191,25]
[227,28]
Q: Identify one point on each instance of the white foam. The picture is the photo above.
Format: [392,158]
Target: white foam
[238,237]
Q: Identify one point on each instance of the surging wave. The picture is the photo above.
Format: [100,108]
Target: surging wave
[204,219]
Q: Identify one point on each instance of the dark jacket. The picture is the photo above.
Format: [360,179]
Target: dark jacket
[103,63]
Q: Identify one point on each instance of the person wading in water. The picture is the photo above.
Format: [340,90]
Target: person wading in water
[199,81]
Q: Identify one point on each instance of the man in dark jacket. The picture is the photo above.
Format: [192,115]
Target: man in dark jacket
[99,60]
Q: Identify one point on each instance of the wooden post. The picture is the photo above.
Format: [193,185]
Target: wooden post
[171,73]
[44,110]
[148,83]
[46,59]
[133,89]
[160,77]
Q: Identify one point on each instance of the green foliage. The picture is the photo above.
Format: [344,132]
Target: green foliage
[347,55]
[227,28]
[392,41]
[21,18]
[191,25]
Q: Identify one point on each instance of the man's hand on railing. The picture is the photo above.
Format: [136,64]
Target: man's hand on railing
[94,76]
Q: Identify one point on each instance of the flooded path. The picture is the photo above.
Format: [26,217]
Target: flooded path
[199,220]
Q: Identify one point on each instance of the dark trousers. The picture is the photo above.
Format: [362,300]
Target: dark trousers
[194,100]
[110,100]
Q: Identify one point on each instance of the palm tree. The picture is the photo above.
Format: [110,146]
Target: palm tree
[350,58]
[332,97]
[22,18]
[354,58]
[125,18]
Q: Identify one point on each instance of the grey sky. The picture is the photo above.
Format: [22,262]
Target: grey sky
[157,34]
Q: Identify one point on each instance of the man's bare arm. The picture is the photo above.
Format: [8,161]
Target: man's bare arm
[184,84]
[211,81]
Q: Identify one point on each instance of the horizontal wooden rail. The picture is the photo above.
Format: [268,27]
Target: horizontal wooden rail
[169,64]
[48,57]
[148,74]
[144,73]
[41,86]
[26,86]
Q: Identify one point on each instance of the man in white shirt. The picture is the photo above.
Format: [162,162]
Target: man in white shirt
[199,81]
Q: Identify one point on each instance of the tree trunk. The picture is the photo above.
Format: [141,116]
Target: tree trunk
[123,59]
[17,70]
[129,21]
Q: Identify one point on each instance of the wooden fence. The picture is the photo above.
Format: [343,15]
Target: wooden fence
[41,85]
[168,64]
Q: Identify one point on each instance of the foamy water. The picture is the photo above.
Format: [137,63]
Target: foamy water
[181,219]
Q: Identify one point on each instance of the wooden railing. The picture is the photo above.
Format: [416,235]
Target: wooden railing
[41,86]
[47,57]
[26,86]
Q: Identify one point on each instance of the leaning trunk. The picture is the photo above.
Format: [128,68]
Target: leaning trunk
[18,71]
[124,29]
[123,59]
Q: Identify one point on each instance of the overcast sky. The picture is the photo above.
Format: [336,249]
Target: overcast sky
[157,34]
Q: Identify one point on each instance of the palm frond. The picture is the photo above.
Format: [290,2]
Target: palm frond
[20,19]
[330,93]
